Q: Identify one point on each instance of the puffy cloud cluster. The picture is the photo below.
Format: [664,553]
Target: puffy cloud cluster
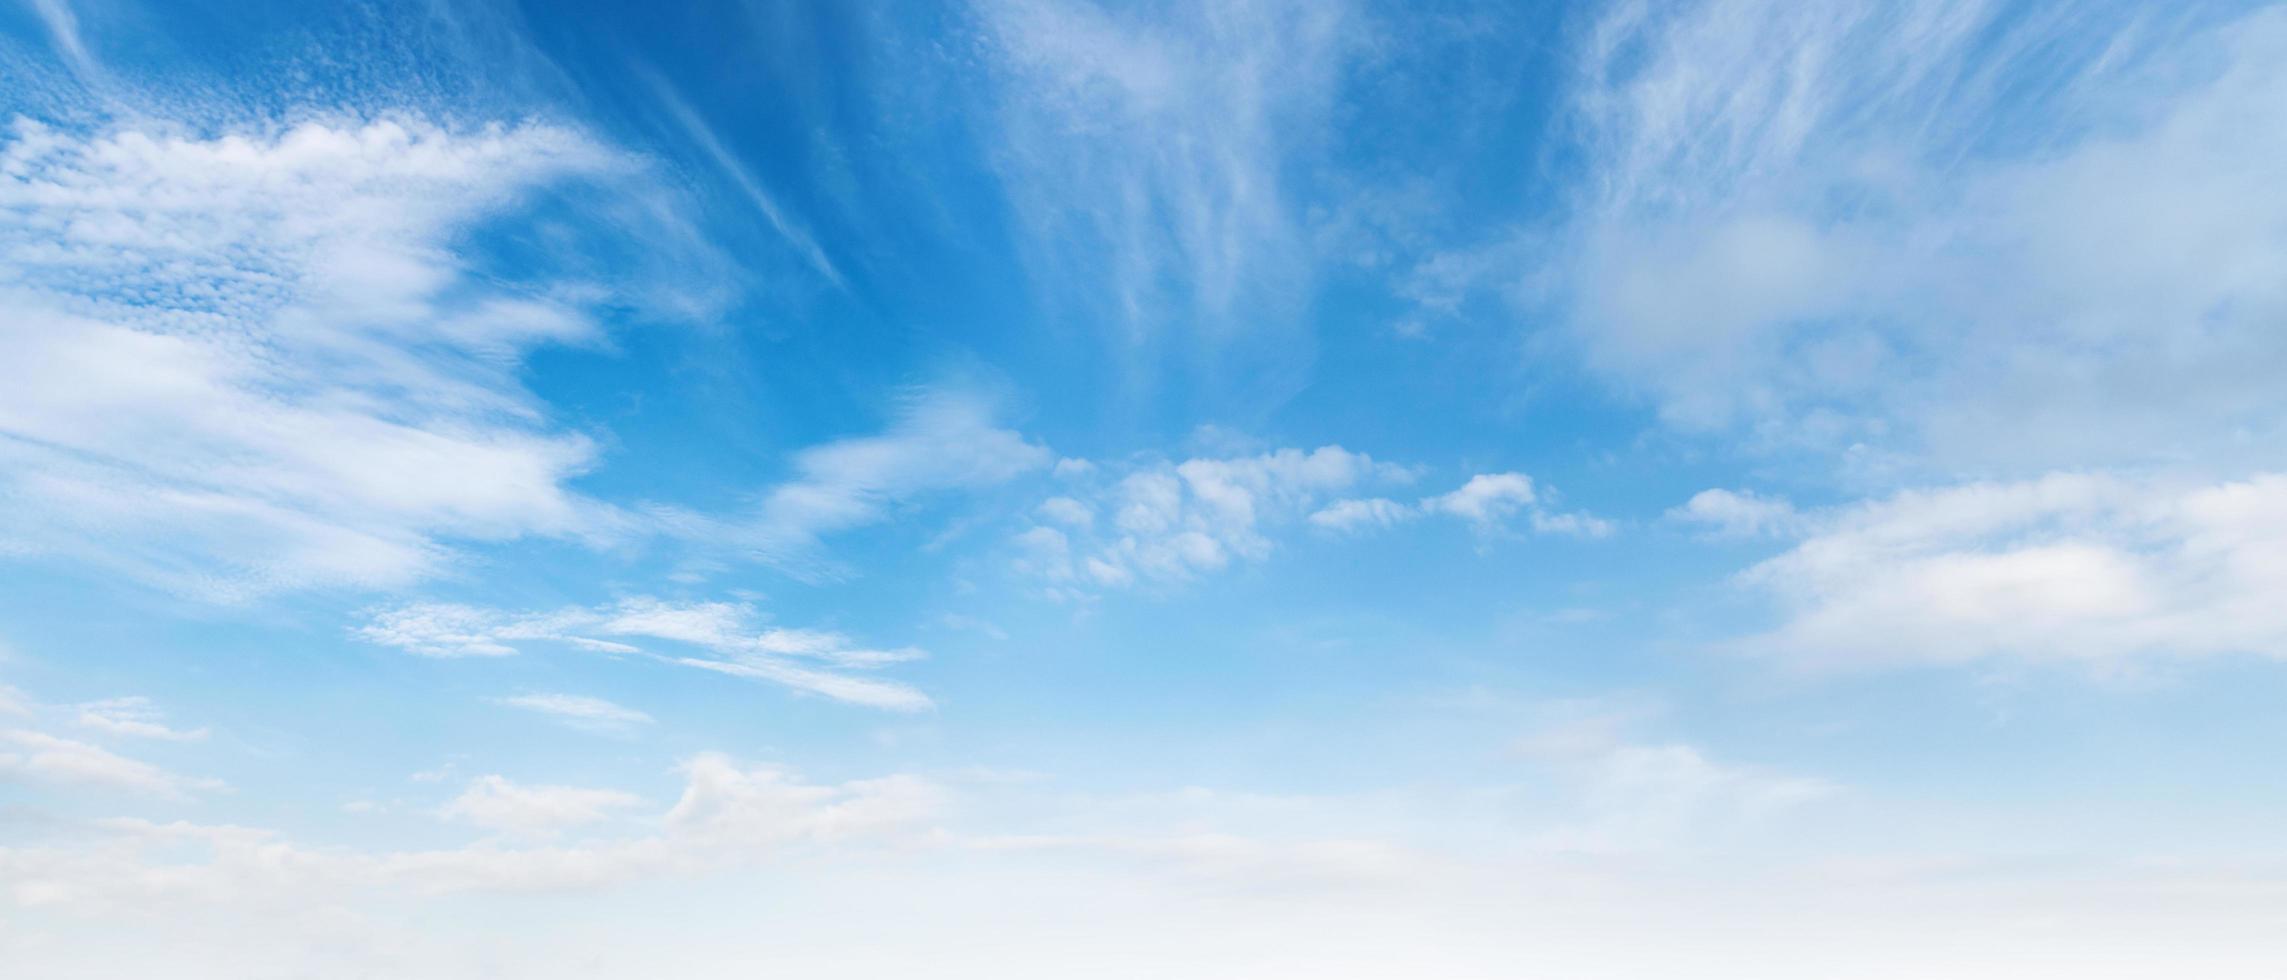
[1168,522]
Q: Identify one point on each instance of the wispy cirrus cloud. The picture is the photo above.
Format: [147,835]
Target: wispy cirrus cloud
[710,145]
[39,756]
[728,637]
[2003,239]
[942,441]
[135,717]
[579,711]
[238,362]
[1147,153]
[62,23]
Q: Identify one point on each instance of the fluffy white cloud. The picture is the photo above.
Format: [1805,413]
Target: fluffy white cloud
[239,364]
[496,804]
[27,754]
[1486,498]
[579,711]
[1732,513]
[729,633]
[2067,567]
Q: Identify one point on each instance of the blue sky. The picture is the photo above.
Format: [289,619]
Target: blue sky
[1227,490]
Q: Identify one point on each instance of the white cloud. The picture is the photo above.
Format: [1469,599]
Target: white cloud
[730,633]
[579,711]
[1067,512]
[235,364]
[887,695]
[1487,501]
[133,716]
[1931,226]
[1633,794]
[942,440]
[1146,153]
[703,136]
[726,805]
[1168,522]
[1738,514]
[1161,523]
[496,804]
[727,815]
[1355,514]
[64,33]
[2067,567]
[39,756]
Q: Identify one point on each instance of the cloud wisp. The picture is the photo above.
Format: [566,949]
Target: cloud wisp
[42,757]
[723,637]
[237,364]
[1148,157]
[942,441]
[580,711]
[1937,230]
[1487,502]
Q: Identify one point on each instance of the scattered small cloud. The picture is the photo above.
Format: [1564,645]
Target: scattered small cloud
[1167,522]
[1738,514]
[135,717]
[579,711]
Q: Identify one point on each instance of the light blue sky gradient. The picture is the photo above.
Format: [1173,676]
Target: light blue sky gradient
[1214,490]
